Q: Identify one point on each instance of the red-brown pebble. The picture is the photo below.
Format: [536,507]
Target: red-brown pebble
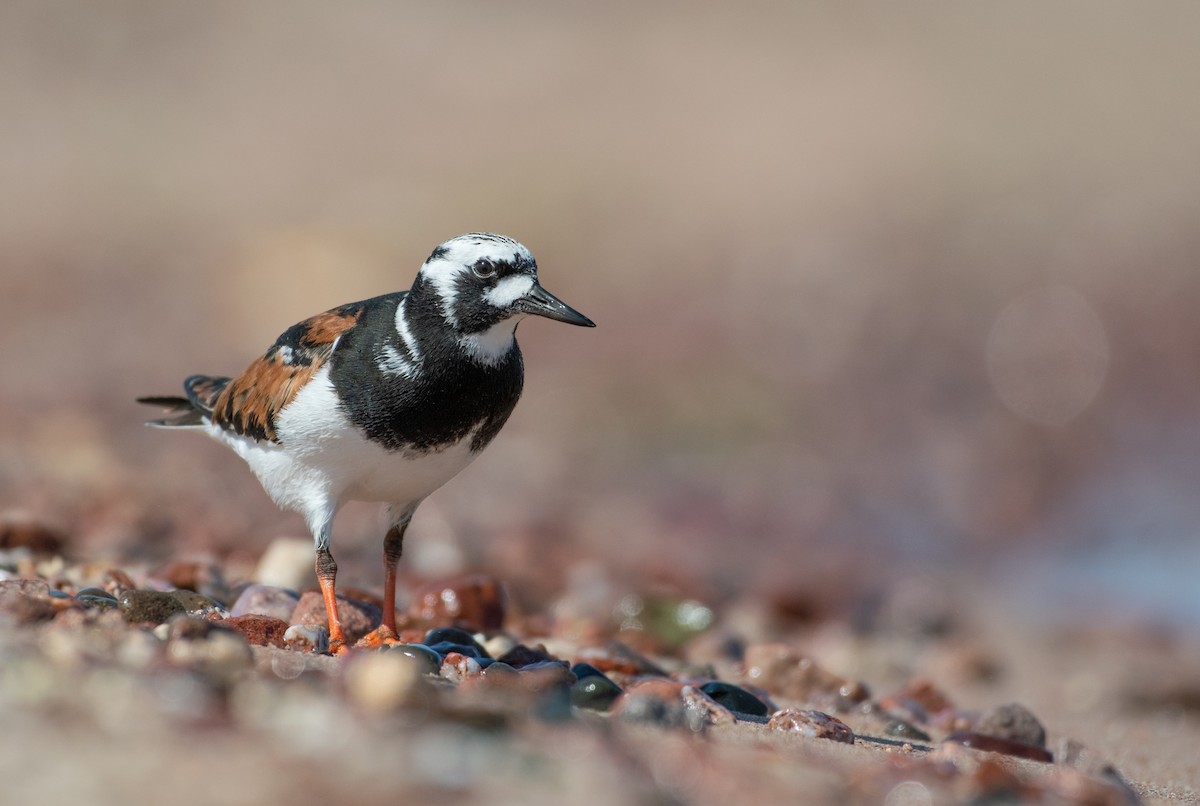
[259,630]
[812,723]
[992,744]
[474,602]
[358,618]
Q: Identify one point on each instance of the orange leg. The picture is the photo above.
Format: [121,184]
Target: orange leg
[326,573]
[393,545]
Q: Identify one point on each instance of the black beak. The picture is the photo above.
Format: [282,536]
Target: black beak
[540,302]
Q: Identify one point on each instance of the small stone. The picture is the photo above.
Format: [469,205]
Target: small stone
[736,699]
[500,643]
[811,723]
[384,681]
[658,702]
[259,630]
[592,689]
[905,730]
[358,618]
[1013,722]
[452,635]
[197,604]
[25,601]
[522,655]
[92,602]
[117,582]
[702,706]
[21,530]
[266,600]
[220,654]
[288,562]
[992,744]
[782,670]
[457,666]
[146,606]
[615,656]
[444,648]
[427,660]
[307,638]
[540,676]
[919,701]
[476,601]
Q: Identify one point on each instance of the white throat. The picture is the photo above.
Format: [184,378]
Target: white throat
[489,347]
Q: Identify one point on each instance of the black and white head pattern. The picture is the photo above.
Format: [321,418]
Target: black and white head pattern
[477,280]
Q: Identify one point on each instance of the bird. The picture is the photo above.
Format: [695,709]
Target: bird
[382,400]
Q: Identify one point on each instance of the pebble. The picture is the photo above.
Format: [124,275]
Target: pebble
[1013,722]
[811,723]
[522,655]
[307,638]
[288,562]
[736,699]
[992,744]
[259,630]
[593,690]
[384,681]
[430,662]
[499,643]
[93,602]
[220,654]
[452,635]
[197,604]
[615,656]
[919,701]
[905,730]
[358,617]
[147,606]
[266,600]
[785,672]
[660,703]
[25,601]
[476,601]
[456,667]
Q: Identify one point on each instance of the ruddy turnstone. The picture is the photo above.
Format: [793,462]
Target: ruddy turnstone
[380,400]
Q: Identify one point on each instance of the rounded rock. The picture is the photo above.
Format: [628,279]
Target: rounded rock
[735,698]
[1013,722]
[266,600]
[429,661]
[812,723]
[384,681]
[146,606]
[477,600]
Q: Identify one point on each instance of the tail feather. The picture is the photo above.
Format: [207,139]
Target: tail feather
[192,410]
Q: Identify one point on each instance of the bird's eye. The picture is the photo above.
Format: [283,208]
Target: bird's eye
[484,268]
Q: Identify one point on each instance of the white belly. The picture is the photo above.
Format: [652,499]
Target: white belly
[321,460]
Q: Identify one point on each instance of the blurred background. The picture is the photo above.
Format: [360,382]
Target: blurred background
[878,289]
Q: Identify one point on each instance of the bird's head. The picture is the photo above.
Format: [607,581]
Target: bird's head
[484,284]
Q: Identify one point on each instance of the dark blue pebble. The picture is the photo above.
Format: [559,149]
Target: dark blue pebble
[592,689]
[96,602]
[904,730]
[582,670]
[431,662]
[735,699]
[451,635]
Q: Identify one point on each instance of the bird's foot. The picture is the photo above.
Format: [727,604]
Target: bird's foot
[377,638]
[338,647]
